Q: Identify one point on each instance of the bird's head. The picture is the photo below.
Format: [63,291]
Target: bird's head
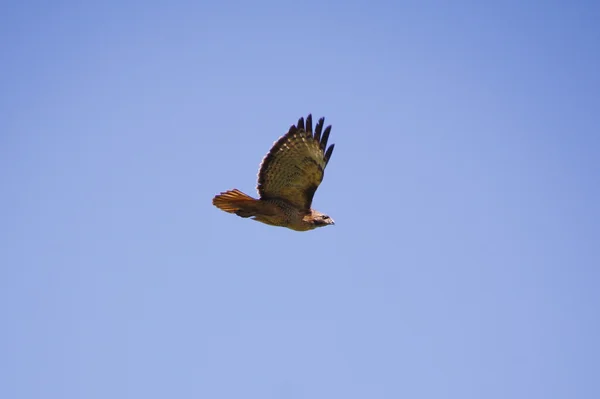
[320,220]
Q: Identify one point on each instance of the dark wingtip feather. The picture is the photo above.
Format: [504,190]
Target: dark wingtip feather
[319,129]
[300,124]
[309,123]
[292,130]
[325,137]
[328,153]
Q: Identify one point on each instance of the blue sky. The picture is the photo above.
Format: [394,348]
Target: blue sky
[464,262]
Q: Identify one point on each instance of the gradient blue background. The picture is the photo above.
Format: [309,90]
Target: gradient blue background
[465,186]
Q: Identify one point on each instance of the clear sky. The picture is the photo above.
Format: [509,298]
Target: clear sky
[465,186]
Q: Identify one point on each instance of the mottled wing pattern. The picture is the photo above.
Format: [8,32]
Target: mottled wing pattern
[294,167]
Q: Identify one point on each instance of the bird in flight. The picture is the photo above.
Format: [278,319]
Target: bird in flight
[288,177]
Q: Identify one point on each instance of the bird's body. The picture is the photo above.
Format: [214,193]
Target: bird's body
[288,177]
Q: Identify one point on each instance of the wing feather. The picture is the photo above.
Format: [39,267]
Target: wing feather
[319,129]
[325,137]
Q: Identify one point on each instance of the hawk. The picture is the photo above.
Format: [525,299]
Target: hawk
[288,177]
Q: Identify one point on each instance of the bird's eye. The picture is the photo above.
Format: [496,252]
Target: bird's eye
[325,217]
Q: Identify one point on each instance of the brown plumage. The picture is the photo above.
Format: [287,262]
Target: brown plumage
[288,177]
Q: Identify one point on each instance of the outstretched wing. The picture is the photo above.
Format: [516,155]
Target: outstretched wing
[294,167]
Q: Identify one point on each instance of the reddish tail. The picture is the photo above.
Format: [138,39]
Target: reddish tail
[235,201]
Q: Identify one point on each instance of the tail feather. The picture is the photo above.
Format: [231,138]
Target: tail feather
[235,201]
